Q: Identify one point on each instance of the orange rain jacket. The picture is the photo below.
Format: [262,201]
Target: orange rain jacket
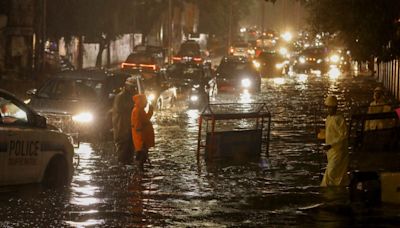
[142,128]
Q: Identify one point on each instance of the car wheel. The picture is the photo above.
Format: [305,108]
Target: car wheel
[56,174]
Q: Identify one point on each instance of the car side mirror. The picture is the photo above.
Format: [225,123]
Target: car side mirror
[31,92]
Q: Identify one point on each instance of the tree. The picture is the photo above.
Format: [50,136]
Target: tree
[367,27]
[101,21]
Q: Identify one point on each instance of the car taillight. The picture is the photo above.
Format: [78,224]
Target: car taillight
[176,58]
[124,65]
[197,59]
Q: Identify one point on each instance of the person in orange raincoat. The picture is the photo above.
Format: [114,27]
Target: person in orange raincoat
[142,128]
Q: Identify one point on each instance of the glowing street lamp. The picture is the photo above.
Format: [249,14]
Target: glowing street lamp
[287,36]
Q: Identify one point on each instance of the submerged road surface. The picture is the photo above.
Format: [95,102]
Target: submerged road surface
[175,191]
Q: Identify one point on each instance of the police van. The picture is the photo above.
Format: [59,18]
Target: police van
[31,151]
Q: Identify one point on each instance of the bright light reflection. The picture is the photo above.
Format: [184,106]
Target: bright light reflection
[303,78]
[334,73]
[84,201]
[245,97]
[193,115]
[279,81]
[84,150]
[87,190]
[89,222]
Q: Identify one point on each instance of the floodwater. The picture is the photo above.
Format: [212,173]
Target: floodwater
[177,190]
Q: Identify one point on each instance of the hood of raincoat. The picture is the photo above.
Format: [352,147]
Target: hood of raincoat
[140,100]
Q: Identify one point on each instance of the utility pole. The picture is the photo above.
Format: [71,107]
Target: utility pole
[230,23]
[262,22]
[169,31]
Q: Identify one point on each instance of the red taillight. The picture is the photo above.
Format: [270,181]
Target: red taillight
[123,65]
[176,58]
[197,59]
[152,66]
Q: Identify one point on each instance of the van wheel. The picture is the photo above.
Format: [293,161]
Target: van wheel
[56,174]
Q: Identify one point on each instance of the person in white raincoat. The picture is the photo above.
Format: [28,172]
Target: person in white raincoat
[337,146]
[378,105]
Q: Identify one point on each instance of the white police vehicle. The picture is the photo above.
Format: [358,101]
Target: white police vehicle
[30,150]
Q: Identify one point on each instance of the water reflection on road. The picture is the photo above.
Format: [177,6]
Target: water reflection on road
[175,190]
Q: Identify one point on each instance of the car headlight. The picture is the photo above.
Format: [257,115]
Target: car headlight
[246,83]
[151,97]
[279,65]
[194,98]
[283,51]
[302,59]
[256,64]
[84,117]
[334,58]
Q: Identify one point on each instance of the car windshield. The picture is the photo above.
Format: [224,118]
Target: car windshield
[71,89]
[265,56]
[232,69]
[140,58]
[315,52]
[241,45]
[188,72]
[191,49]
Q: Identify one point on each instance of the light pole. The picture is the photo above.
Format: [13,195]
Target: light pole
[230,23]
[169,31]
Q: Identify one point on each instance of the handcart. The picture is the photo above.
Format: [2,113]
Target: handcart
[235,131]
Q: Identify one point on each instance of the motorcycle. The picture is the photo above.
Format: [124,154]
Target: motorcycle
[198,97]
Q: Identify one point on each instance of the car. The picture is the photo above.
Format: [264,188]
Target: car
[160,92]
[189,52]
[142,60]
[236,73]
[270,64]
[243,49]
[196,82]
[31,151]
[79,102]
[312,60]
[185,75]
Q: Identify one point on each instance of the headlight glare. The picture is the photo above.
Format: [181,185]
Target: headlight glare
[194,98]
[151,97]
[246,83]
[84,117]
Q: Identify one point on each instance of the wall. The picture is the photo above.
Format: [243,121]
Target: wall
[389,74]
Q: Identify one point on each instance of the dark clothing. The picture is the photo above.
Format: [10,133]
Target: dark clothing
[121,119]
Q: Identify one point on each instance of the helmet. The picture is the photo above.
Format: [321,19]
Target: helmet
[331,101]
[131,81]
[378,89]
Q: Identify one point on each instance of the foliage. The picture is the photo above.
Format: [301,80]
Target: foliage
[101,20]
[367,27]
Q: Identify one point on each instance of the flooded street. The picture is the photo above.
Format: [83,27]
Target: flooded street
[280,190]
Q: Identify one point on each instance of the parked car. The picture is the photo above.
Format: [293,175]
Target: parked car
[31,151]
[270,64]
[78,102]
[236,73]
